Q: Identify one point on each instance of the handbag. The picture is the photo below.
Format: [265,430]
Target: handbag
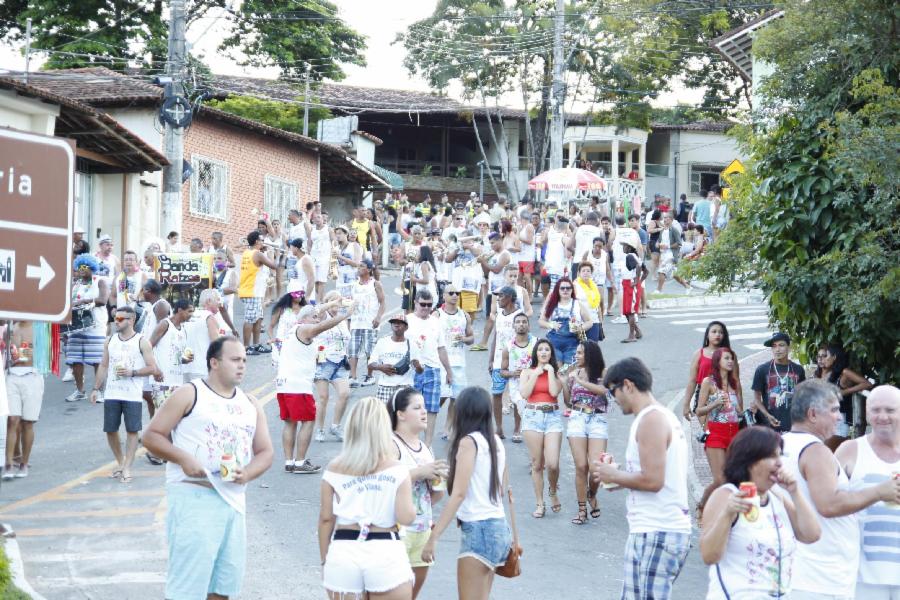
[402,366]
[512,567]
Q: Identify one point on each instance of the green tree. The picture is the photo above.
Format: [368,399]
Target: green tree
[282,115]
[819,207]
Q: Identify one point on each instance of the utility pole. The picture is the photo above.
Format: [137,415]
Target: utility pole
[558,95]
[174,138]
[481,181]
[27,48]
[306,104]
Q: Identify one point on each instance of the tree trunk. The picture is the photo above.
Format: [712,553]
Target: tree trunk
[487,165]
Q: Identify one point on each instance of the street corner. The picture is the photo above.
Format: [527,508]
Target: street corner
[95,533]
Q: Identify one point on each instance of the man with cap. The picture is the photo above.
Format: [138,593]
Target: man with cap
[774,383]
[294,386]
[504,331]
[392,358]
[368,296]
[429,354]
[79,244]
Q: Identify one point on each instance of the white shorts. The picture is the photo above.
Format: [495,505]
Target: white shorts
[321,269]
[354,567]
[867,591]
[26,394]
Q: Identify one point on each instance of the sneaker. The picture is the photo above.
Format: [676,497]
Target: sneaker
[264,348]
[367,380]
[69,376]
[289,467]
[320,435]
[99,397]
[354,383]
[154,460]
[22,472]
[9,472]
[636,318]
[620,319]
[335,431]
[251,351]
[306,468]
[75,396]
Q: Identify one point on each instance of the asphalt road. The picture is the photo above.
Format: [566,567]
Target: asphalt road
[84,535]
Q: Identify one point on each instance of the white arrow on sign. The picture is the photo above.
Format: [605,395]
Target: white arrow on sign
[44,272]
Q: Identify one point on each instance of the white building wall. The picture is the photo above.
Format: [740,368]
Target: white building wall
[27,114]
[701,147]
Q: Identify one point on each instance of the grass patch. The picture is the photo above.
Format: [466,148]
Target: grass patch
[8,590]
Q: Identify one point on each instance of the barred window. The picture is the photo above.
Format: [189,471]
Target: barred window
[209,188]
[281,196]
[703,177]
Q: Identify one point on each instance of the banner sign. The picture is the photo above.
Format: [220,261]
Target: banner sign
[184,269]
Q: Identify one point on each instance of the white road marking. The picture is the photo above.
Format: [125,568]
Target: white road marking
[117,579]
[711,318]
[740,327]
[111,556]
[755,347]
[657,315]
[757,335]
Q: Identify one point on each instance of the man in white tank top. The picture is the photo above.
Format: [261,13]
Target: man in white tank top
[368,297]
[206,325]
[216,440]
[869,461]
[127,359]
[827,569]
[169,341]
[655,473]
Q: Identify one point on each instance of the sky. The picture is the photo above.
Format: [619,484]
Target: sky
[379,20]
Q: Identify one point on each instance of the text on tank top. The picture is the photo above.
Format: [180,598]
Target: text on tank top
[366,499]
[503,333]
[168,352]
[667,509]
[366,306]
[879,524]
[252,278]
[454,325]
[216,425]
[829,565]
[126,354]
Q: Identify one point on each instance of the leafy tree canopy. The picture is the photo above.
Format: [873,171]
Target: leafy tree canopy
[282,115]
[815,220]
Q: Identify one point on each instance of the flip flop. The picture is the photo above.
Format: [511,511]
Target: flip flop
[126,478]
[116,474]
[628,341]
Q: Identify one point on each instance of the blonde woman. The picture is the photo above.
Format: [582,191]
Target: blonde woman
[366,494]
[591,300]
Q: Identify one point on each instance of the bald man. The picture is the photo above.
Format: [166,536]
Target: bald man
[868,461]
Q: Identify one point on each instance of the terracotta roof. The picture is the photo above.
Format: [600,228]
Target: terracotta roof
[372,138]
[94,131]
[711,126]
[97,86]
[337,166]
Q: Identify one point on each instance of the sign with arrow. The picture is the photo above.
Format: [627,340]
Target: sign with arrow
[37,179]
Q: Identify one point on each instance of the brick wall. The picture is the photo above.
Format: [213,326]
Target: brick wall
[250,157]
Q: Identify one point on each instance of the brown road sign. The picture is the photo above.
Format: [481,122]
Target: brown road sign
[37,176]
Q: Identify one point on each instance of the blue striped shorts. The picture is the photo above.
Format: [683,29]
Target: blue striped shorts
[428,382]
[653,561]
[84,348]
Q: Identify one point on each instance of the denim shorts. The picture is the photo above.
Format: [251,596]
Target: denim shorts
[488,541]
[498,382]
[207,543]
[331,371]
[583,425]
[460,381]
[542,422]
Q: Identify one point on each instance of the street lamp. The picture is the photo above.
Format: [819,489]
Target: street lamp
[481,181]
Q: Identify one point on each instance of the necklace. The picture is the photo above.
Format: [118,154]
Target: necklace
[411,449]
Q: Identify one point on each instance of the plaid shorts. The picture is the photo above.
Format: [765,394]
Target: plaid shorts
[652,563]
[428,382]
[386,393]
[362,341]
[253,309]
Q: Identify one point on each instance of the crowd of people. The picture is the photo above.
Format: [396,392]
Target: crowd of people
[795,507]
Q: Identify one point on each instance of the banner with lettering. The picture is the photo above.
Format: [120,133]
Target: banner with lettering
[184,274]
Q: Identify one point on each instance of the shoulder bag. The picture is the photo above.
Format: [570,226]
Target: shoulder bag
[402,366]
[512,567]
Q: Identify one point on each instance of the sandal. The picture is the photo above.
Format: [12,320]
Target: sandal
[478,348]
[539,511]
[126,478]
[116,474]
[517,438]
[581,519]
[595,509]
[555,506]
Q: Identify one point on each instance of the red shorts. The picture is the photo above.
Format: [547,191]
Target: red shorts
[526,268]
[631,297]
[297,407]
[721,434]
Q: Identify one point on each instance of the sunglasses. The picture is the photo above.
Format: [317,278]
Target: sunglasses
[611,392]
[425,304]
[120,319]
[565,288]
[449,293]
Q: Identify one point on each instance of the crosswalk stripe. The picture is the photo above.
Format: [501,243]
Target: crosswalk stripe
[117,579]
[755,346]
[111,556]
[710,318]
[705,310]
[720,315]
[739,327]
[757,335]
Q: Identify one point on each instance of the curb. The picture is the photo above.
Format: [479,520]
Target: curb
[17,567]
[726,299]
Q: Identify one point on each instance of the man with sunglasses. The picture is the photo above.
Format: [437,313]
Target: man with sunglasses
[457,326]
[127,358]
[429,355]
[655,475]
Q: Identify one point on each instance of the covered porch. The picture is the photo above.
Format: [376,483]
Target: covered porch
[618,155]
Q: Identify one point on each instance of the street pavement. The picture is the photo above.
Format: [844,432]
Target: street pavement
[84,535]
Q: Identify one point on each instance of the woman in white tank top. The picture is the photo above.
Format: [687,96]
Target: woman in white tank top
[750,543]
[478,477]
[365,495]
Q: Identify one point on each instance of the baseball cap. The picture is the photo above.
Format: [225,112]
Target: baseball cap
[104,238]
[482,218]
[369,264]
[78,229]
[342,227]
[494,236]
[778,337]
[399,318]
[507,290]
